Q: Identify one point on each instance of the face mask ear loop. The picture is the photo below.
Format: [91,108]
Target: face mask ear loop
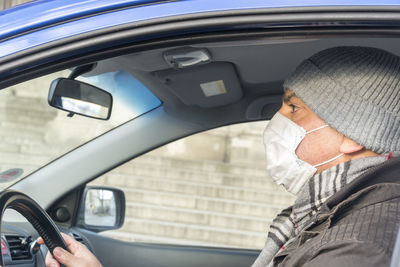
[329,160]
[316,129]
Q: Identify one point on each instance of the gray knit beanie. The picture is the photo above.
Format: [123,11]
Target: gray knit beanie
[356,90]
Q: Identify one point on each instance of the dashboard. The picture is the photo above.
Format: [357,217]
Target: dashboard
[19,246]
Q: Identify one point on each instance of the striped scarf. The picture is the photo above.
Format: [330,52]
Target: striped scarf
[292,220]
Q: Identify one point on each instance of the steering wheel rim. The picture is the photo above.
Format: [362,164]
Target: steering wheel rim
[38,217]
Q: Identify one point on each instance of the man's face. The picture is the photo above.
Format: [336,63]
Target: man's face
[317,146]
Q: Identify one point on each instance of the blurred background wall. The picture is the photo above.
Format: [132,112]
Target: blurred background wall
[4,4]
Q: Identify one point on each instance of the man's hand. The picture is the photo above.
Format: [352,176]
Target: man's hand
[80,255]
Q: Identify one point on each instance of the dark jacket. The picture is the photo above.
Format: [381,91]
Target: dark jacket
[355,227]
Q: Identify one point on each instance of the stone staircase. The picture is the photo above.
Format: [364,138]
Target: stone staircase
[183,201]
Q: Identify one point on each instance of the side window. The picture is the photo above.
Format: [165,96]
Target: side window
[208,189]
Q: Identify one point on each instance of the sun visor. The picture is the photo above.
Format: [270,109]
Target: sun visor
[210,85]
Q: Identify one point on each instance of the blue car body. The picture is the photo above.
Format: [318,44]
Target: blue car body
[40,22]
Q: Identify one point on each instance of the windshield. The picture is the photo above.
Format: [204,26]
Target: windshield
[33,133]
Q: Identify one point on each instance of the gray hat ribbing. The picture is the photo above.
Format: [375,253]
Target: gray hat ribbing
[356,90]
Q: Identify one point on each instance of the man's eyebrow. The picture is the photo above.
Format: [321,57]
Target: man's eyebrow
[287,96]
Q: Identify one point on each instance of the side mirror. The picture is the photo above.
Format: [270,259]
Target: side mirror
[101,209]
[80,98]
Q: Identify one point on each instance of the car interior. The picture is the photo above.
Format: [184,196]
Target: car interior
[201,86]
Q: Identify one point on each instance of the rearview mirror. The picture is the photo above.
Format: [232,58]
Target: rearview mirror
[80,98]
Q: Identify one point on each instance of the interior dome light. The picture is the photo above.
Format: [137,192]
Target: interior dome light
[186,57]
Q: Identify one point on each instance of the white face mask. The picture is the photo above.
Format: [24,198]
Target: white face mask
[281,139]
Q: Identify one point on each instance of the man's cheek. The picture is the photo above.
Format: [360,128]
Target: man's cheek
[304,151]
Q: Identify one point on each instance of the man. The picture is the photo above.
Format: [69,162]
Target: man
[329,144]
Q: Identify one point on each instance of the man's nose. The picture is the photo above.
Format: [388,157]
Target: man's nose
[285,110]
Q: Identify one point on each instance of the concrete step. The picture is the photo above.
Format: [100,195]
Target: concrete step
[198,217]
[206,166]
[188,201]
[195,233]
[270,195]
[20,136]
[18,159]
[244,179]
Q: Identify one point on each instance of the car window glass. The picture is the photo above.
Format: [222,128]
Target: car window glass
[209,189]
[131,98]
[33,133]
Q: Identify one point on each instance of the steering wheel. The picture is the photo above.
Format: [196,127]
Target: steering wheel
[39,219]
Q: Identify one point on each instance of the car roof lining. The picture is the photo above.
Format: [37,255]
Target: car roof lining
[258,76]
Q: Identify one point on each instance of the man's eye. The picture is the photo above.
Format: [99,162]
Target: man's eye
[294,108]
